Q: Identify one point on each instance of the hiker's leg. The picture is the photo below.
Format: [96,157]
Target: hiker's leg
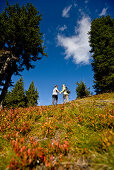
[53,100]
[67,98]
[63,98]
[56,100]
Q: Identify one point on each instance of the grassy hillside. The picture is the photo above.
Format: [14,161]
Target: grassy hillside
[77,135]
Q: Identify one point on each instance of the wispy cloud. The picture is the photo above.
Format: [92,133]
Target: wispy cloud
[75,4]
[81,11]
[65,12]
[86,1]
[77,46]
[64,27]
[103,12]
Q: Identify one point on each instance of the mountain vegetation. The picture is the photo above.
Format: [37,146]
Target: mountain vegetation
[76,135]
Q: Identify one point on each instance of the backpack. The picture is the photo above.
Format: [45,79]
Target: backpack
[67,90]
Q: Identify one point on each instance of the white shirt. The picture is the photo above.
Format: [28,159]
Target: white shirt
[55,91]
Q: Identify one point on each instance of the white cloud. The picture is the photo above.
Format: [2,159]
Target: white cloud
[77,46]
[64,27]
[103,12]
[65,12]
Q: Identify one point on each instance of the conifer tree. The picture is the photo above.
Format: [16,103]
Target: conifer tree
[8,101]
[21,42]
[31,95]
[102,49]
[18,94]
[82,90]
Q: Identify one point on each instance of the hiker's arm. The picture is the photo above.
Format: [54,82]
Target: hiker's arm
[62,90]
[57,90]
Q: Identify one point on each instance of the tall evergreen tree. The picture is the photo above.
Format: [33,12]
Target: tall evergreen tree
[32,95]
[82,90]
[8,101]
[18,94]
[20,42]
[102,49]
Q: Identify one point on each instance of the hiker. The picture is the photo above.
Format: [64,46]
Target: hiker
[65,94]
[54,95]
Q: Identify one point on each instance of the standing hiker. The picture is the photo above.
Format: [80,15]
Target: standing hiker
[65,94]
[55,95]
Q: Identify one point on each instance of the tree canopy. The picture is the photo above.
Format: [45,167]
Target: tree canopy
[102,49]
[20,42]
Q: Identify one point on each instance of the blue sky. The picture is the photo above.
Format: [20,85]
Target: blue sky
[64,25]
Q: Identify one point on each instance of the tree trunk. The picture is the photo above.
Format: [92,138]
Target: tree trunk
[10,57]
[6,85]
[4,67]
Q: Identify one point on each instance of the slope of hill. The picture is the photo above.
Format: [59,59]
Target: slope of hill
[76,135]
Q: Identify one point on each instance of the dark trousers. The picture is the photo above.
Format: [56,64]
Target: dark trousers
[54,99]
